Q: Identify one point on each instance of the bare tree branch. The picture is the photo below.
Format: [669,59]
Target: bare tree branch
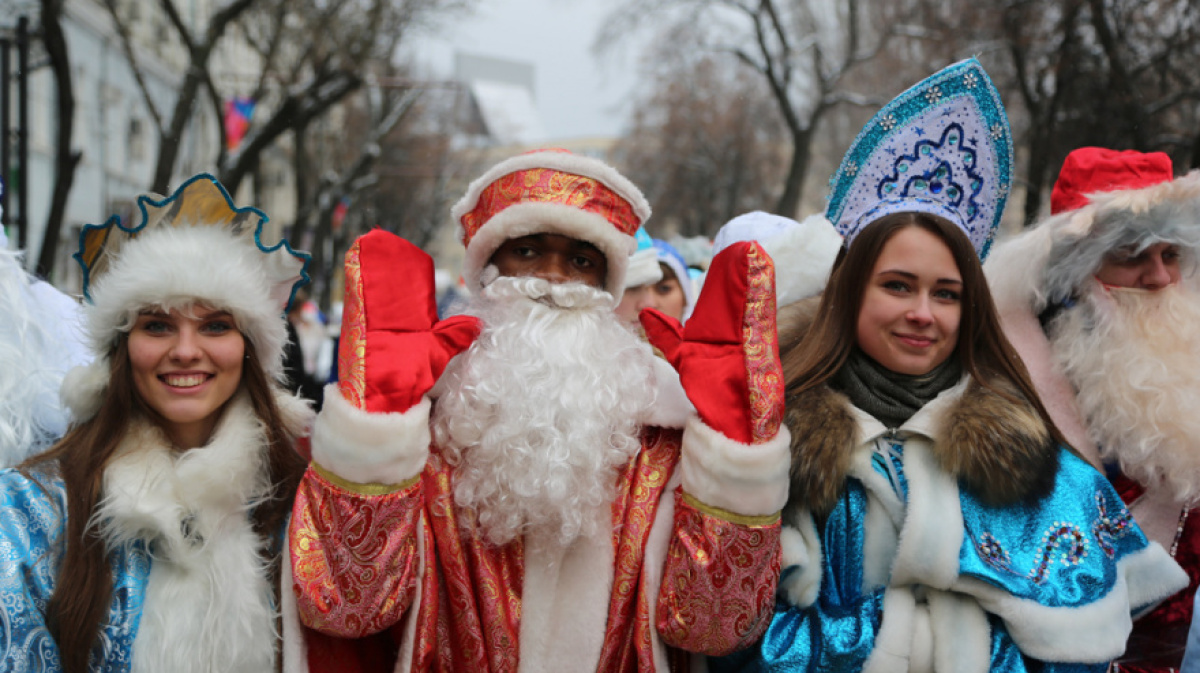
[134,64]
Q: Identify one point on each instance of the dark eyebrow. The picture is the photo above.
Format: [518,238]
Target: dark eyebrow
[912,276]
[584,246]
[898,272]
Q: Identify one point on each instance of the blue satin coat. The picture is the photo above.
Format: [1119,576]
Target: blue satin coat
[1067,550]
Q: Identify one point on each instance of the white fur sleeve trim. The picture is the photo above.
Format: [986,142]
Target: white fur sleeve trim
[1153,577]
[747,479]
[370,448]
[1089,633]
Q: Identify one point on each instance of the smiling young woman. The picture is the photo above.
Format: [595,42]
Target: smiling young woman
[186,366]
[149,537]
[937,519]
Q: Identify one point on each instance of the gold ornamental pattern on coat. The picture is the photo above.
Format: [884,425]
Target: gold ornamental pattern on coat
[352,346]
[764,371]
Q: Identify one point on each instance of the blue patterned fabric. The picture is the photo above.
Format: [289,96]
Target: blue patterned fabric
[32,522]
[1062,551]
[942,147]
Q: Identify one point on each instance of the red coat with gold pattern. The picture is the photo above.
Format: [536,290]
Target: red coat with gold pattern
[389,578]
[1159,637]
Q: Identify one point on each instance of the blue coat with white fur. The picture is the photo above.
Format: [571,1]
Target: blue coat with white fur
[926,554]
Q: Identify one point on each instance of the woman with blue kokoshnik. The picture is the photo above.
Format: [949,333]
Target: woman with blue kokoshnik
[936,520]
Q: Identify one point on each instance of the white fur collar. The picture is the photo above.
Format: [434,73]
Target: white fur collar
[207,604]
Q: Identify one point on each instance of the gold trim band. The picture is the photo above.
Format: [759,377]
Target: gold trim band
[732,517]
[362,489]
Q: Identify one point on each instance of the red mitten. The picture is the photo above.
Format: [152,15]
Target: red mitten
[728,354]
[393,348]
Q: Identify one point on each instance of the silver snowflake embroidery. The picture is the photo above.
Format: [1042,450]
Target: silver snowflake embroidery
[851,168]
[997,131]
[970,80]
[888,122]
[933,95]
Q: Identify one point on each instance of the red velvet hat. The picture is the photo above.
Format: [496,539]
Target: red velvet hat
[1092,170]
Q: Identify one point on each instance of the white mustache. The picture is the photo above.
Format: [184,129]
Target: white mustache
[557,295]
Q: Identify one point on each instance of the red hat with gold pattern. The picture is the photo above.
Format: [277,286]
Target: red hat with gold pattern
[551,192]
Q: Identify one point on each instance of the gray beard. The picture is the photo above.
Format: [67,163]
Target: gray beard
[541,412]
[1132,358]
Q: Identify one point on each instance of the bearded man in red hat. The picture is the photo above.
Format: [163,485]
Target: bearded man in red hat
[551,500]
[1101,301]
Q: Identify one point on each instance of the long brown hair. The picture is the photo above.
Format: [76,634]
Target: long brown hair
[83,592]
[983,350]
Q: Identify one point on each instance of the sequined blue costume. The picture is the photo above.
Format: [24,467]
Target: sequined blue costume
[914,570]
[32,523]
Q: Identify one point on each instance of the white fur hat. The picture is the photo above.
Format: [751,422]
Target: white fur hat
[803,252]
[192,247]
[643,264]
[550,192]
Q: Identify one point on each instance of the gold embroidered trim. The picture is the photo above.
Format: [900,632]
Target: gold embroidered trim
[732,517]
[362,489]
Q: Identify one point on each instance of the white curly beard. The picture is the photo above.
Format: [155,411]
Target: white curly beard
[1132,356]
[541,411]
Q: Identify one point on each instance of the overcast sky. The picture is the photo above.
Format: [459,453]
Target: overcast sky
[576,94]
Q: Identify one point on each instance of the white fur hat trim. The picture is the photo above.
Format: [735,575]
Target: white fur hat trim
[176,267]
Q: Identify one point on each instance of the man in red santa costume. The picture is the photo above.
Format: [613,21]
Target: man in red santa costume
[554,502]
[1101,300]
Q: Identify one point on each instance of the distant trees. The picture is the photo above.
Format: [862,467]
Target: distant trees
[704,142]
[805,54]
[1118,73]
[66,158]
[297,59]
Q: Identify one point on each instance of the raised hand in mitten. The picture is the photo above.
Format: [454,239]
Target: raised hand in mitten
[728,354]
[393,348]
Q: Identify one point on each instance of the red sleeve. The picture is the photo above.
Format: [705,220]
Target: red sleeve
[718,589]
[354,555]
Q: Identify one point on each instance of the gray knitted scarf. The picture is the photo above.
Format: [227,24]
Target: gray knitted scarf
[890,397]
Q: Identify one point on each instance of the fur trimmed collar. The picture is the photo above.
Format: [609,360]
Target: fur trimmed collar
[208,601]
[992,441]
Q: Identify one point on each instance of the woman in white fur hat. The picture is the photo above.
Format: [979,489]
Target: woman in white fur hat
[150,537]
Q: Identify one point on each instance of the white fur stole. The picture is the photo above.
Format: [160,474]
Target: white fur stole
[207,604]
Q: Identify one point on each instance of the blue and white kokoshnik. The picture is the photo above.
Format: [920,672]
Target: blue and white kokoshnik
[942,147]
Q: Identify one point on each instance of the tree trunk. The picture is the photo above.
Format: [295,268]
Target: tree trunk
[789,202]
[65,160]
[1038,164]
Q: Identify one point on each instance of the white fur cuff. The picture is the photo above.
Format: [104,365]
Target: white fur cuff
[747,479]
[1092,632]
[1153,577]
[370,448]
